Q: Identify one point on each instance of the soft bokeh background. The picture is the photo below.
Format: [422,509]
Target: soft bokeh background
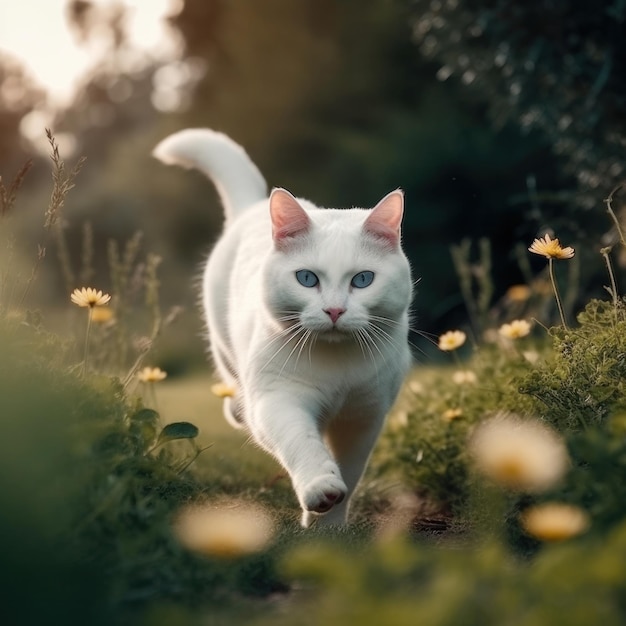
[499,121]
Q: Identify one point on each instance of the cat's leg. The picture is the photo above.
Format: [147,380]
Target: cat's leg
[351,440]
[291,433]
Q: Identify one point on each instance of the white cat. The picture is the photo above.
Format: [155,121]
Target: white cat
[307,312]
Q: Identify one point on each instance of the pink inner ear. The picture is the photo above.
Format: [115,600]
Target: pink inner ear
[385,218]
[289,219]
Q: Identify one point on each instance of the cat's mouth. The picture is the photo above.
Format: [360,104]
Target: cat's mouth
[333,335]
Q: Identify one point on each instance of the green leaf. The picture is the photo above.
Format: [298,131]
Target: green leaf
[178,430]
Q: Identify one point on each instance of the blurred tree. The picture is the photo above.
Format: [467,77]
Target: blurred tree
[333,101]
[552,66]
[18,97]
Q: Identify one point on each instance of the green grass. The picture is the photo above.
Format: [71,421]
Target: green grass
[233,461]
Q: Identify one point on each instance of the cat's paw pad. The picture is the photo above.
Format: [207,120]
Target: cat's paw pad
[323,493]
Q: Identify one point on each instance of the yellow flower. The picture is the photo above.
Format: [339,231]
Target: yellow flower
[226,532]
[452,340]
[89,297]
[151,374]
[398,420]
[451,414]
[222,390]
[515,330]
[518,293]
[416,387]
[554,521]
[102,315]
[464,377]
[550,248]
[520,455]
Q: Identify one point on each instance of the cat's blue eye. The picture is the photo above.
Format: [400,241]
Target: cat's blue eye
[307,278]
[362,279]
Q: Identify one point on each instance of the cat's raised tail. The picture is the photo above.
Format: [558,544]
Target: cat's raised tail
[238,181]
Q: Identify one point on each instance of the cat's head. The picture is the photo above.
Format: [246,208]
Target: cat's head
[337,272]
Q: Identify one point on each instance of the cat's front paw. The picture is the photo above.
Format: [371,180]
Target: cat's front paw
[323,493]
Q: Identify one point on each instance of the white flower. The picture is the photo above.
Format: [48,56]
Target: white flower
[519,454]
[515,330]
[464,377]
[227,531]
[452,340]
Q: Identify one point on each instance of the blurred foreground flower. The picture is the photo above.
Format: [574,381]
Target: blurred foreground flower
[554,521]
[451,414]
[518,293]
[452,340]
[550,248]
[89,297]
[227,532]
[102,314]
[515,330]
[464,377]
[520,455]
[151,375]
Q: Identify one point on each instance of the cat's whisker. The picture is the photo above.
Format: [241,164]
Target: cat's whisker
[311,346]
[307,336]
[290,333]
[372,342]
[385,337]
[430,337]
[364,342]
[301,341]
[386,320]
[359,340]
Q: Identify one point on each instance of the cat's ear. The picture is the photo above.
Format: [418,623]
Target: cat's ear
[385,218]
[289,219]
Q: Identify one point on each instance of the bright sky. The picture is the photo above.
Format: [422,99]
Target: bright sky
[36,32]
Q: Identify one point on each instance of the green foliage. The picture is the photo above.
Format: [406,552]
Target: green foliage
[91,481]
[398,582]
[546,66]
[424,447]
[577,385]
[585,382]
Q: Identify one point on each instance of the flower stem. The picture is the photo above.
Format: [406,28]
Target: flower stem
[609,267]
[86,353]
[556,292]
[610,211]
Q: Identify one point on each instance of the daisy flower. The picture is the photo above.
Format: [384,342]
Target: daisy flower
[151,375]
[88,297]
[452,340]
[515,330]
[550,248]
[520,455]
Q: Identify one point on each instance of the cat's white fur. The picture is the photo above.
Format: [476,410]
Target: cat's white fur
[315,368]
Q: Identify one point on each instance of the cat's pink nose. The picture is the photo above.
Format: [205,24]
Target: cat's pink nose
[334,314]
